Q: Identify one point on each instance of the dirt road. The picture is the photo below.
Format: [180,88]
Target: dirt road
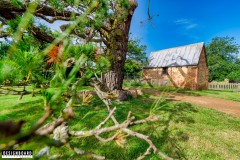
[226,106]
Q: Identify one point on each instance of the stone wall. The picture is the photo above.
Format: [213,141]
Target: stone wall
[184,77]
[180,77]
[202,80]
[152,73]
[155,76]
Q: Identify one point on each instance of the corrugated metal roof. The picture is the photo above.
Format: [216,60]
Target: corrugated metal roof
[180,56]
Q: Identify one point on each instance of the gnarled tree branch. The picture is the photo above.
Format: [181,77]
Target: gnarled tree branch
[53,19]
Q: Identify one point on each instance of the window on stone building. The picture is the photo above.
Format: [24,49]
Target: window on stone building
[165,71]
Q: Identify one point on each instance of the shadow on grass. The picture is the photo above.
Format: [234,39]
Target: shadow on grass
[168,132]
[173,134]
[29,111]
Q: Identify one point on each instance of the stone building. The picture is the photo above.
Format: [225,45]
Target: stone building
[181,67]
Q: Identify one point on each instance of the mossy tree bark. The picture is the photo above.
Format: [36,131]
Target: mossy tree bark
[118,46]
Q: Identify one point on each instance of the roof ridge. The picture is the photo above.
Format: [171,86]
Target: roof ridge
[177,47]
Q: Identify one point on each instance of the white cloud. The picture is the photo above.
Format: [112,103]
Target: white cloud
[182,21]
[186,23]
[194,25]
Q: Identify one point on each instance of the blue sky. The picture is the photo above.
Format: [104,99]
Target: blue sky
[182,22]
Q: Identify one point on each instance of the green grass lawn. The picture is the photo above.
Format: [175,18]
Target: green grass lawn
[230,95]
[183,131]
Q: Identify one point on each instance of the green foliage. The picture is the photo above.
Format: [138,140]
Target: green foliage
[13,24]
[124,3]
[7,69]
[29,42]
[76,50]
[234,76]
[21,65]
[17,3]
[4,46]
[100,16]
[136,57]
[26,59]
[102,65]
[45,28]
[133,83]
[88,50]
[132,67]
[48,94]
[56,4]
[59,78]
[222,54]
[93,64]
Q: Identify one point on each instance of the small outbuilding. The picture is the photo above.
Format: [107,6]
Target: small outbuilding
[181,67]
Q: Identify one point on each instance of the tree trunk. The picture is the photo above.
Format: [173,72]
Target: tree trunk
[117,51]
[114,78]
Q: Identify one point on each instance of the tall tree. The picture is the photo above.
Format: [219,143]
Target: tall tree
[99,21]
[222,54]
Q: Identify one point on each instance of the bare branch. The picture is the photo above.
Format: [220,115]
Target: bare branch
[41,35]
[42,120]
[49,11]
[99,80]
[100,131]
[3,20]
[108,117]
[8,5]
[49,128]
[108,139]
[53,19]
[148,151]
[79,151]
[105,101]
[144,137]
[90,35]
[3,34]
[150,118]
[130,132]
